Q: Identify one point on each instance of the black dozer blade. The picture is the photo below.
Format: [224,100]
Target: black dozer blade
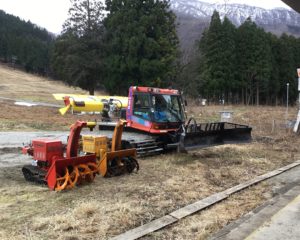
[212,134]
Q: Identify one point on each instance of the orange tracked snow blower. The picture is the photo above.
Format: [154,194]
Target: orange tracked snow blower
[64,169]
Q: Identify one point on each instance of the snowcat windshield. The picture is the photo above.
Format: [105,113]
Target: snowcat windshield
[167,108]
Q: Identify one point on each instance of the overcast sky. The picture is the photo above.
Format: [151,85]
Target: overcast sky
[51,14]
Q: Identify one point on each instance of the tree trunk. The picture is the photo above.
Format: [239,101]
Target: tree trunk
[249,96]
[257,93]
[243,96]
[91,91]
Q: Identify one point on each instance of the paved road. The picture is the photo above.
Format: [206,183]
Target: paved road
[277,219]
[11,142]
[18,139]
[284,224]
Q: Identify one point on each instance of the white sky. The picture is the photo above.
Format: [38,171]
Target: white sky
[51,14]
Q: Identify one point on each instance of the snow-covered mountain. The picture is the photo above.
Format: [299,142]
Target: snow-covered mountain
[237,13]
[193,16]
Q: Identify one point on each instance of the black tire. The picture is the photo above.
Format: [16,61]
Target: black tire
[28,175]
[131,164]
[113,169]
[126,145]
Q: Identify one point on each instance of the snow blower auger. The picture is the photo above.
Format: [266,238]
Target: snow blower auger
[115,161]
[61,170]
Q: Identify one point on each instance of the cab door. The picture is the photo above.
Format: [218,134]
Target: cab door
[141,117]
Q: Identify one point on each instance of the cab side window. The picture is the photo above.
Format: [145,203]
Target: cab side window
[141,106]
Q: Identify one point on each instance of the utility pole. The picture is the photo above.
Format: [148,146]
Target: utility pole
[287,100]
[298,71]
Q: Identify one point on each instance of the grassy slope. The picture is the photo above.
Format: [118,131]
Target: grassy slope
[16,84]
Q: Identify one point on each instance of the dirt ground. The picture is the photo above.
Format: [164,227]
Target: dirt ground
[110,206]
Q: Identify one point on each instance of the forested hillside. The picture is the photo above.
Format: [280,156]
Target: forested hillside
[24,44]
[243,65]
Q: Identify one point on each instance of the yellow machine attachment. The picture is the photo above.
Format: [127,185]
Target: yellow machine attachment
[113,161]
[86,103]
[80,105]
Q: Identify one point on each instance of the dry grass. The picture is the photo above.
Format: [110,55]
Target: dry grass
[265,120]
[17,85]
[18,118]
[165,183]
[201,226]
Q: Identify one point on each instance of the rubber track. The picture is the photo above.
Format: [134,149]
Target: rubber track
[147,148]
[34,174]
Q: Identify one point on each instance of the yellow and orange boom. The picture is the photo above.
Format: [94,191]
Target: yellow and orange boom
[87,103]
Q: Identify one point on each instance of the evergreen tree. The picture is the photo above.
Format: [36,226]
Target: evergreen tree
[218,64]
[254,60]
[263,65]
[78,52]
[211,49]
[141,44]
[273,88]
[287,67]
[229,60]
